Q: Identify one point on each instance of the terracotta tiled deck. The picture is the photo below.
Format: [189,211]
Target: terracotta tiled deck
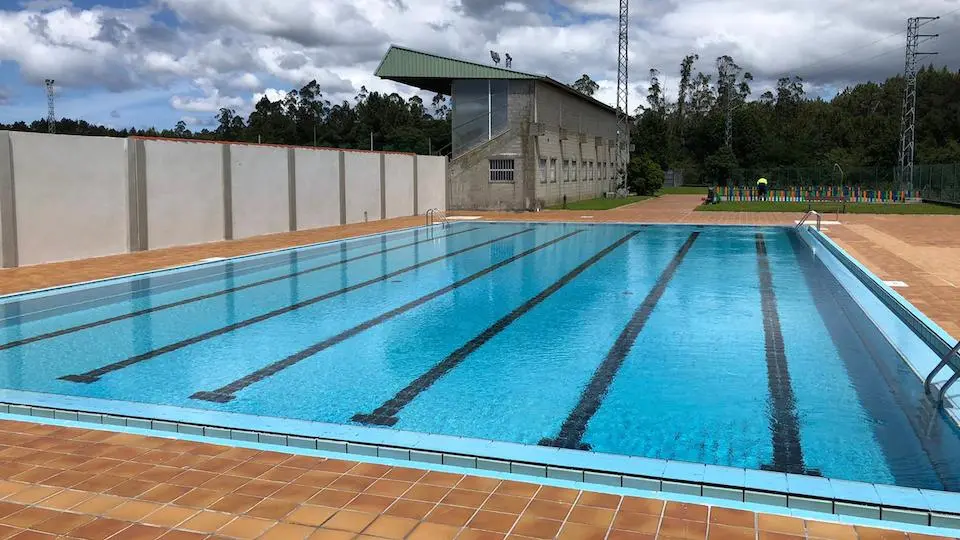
[96,484]
[79,483]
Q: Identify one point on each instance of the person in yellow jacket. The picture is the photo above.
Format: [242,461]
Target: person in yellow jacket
[762,189]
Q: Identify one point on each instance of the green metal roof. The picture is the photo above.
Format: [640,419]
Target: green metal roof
[436,73]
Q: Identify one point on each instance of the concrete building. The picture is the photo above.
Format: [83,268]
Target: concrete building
[519,140]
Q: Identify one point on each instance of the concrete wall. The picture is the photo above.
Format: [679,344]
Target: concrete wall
[545,123]
[70,197]
[260,190]
[318,188]
[431,183]
[184,193]
[398,184]
[363,183]
[66,197]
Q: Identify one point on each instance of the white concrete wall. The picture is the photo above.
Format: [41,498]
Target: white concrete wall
[184,193]
[318,188]
[71,197]
[261,203]
[362,186]
[398,177]
[431,183]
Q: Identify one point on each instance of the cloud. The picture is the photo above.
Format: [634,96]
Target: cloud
[6,95]
[207,54]
[114,114]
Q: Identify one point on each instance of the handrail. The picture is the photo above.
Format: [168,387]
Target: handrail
[807,214]
[435,215]
[928,382]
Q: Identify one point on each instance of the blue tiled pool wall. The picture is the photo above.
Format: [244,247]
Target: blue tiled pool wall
[928,331]
[872,363]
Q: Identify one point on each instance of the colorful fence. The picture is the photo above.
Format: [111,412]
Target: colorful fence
[820,193]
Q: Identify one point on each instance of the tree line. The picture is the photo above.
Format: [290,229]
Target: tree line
[860,127]
[305,118]
[689,131]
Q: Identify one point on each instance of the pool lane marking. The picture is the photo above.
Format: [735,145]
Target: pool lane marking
[226,393]
[185,301]
[94,375]
[784,425]
[191,277]
[385,414]
[573,428]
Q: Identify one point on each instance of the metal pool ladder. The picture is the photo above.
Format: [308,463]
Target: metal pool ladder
[435,215]
[928,383]
[806,215]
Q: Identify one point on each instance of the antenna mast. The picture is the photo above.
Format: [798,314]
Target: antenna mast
[908,118]
[623,112]
[51,112]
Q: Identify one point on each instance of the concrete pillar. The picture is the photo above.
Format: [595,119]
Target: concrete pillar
[416,187]
[343,188]
[383,186]
[8,205]
[292,187]
[137,194]
[227,174]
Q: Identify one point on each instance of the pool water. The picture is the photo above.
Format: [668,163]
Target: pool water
[720,345]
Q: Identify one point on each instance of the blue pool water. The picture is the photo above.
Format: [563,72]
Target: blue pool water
[721,345]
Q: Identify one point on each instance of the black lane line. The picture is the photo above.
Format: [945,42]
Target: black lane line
[573,428]
[185,301]
[226,393]
[94,375]
[385,415]
[71,301]
[785,428]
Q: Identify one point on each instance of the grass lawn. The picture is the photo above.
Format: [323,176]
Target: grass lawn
[827,208]
[601,203]
[682,190]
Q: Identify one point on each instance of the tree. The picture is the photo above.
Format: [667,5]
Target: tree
[644,175]
[585,85]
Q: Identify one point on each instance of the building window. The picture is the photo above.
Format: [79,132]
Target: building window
[566,170]
[501,170]
[590,171]
[573,171]
[553,170]
[543,171]
[583,170]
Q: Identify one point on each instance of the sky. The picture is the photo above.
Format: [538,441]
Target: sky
[145,63]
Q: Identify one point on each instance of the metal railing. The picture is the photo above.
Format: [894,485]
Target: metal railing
[435,215]
[806,215]
[928,383]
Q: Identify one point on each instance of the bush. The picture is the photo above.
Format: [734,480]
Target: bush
[644,175]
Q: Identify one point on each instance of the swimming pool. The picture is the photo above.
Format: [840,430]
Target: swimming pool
[730,346]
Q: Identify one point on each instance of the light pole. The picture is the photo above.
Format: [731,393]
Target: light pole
[843,197]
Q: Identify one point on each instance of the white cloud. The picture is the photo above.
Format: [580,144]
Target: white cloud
[272,94]
[240,48]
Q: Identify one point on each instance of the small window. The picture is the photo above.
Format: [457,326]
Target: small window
[543,171]
[566,170]
[590,171]
[501,170]
[574,171]
[553,170]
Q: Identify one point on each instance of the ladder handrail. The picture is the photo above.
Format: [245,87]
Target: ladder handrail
[807,214]
[928,382]
[435,215]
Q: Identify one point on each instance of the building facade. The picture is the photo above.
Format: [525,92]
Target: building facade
[519,141]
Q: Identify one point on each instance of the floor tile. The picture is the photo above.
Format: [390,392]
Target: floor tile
[313,516]
[492,521]
[169,516]
[732,517]
[245,527]
[506,503]
[456,516]
[391,527]
[682,528]
[589,515]
[780,524]
[635,522]
[536,527]
[347,520]
[820,529]
[287,531]
[433,531]
[272,509]
[725,532]
[410,509]
[599,500]
[642,506]
[206,521]
[99,529]
[333,498]
[235,503]
[695,512]
[578,531]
